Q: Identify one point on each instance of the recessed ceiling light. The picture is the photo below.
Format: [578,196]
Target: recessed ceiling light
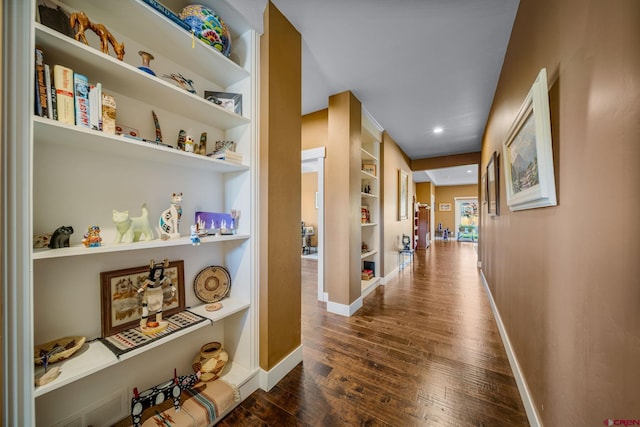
[437,129]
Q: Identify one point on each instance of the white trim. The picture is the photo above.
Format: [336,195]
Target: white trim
[318,154]
[313,153]
[270,378]
[325,297]
[527,398]
[344,310]
[18,405]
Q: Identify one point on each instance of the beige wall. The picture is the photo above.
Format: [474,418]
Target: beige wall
[393,228]
[315,129]
[342,216]
[448,194]
[423,192]
[308,203]
[280,189]
[566,279]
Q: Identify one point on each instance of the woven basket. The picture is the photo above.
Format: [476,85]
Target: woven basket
[69,344]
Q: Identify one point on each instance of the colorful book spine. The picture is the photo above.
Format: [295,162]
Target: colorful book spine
[49,88]
[41,87]
[108,114]
[81,92]
[63,81]
[95,106]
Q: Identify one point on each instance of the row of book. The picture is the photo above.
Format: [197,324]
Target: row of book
[68,97]
[367,274]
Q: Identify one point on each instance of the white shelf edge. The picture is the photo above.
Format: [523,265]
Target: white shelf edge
[53,132]
[97,356]
[368,175]
[78,250]
[368,254]
[373,196]
[94,358]
[369,224]
[368,155]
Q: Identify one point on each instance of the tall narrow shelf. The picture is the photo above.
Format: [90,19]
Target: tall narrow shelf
[371,136]
[80,176]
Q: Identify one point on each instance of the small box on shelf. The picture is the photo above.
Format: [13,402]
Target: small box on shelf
[369,168]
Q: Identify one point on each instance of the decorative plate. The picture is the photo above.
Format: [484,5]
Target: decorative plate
[60,349]
[212,284]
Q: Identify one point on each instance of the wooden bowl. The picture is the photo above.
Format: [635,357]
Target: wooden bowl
[67,345]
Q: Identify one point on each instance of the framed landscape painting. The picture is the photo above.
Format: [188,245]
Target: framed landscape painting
[527,151]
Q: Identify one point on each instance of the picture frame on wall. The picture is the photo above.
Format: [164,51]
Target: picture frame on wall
[403,195]
[493,185]
[121,303]
[528,152]
[444,207]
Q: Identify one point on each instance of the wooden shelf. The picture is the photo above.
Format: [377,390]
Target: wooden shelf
[373,196]
[95,356]
[47,131]
[120,77]
[78,250]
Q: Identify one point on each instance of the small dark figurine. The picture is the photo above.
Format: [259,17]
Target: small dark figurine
[60,237]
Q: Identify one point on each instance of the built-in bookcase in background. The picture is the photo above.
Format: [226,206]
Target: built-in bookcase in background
[371,136]
[79,176]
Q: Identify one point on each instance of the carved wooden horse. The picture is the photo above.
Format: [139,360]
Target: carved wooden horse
[83,23]
[81,20]
[105,38]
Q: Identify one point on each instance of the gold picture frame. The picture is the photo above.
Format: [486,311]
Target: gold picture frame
[403,195]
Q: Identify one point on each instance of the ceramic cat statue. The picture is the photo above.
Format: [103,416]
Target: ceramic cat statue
[132,229]
[60,237]
[170,218]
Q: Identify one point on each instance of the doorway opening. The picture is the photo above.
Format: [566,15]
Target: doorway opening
[466,219]
[312,211]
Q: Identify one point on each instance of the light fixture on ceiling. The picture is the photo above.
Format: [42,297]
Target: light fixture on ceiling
[438,129]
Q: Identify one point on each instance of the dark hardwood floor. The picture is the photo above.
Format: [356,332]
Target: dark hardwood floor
[424,350]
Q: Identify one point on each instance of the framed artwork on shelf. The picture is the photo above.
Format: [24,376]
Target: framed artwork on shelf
[229,101]
[528,153]
[121,303]
[444,207]
[493,185]
[369,168]
[403,195]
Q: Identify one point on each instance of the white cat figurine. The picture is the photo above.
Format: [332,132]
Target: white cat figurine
[130,230]
[170,218]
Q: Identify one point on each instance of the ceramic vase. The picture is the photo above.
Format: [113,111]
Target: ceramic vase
[210,361]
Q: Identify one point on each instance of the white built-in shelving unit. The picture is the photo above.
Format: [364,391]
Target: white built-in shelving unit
[371,135]
[78,176]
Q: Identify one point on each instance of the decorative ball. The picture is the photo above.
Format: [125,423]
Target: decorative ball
[207,26]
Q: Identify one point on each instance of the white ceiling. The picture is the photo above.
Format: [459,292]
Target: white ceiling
[414,65]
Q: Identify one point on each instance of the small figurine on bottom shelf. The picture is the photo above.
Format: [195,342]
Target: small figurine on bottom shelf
[92,237]
[129,230]
[182,137]
[170,218]
[60,237]
[188,144]
[195,239]
[153,297]
[202,148]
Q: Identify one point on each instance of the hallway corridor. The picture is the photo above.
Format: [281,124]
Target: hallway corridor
[424,350]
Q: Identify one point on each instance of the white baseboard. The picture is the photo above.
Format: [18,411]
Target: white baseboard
[270,378]
[343,309]
[527,399]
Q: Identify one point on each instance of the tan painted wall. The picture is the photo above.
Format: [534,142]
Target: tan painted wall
[315,129]
[566,279]
[342,183]
[394,159]
[447,194]
[308,203]
[280,189]
[423,192]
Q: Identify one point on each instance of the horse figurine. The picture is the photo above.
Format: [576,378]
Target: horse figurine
[81,20]
[105,38]
[83,23]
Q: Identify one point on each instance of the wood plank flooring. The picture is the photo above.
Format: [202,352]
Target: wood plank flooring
[424,350]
